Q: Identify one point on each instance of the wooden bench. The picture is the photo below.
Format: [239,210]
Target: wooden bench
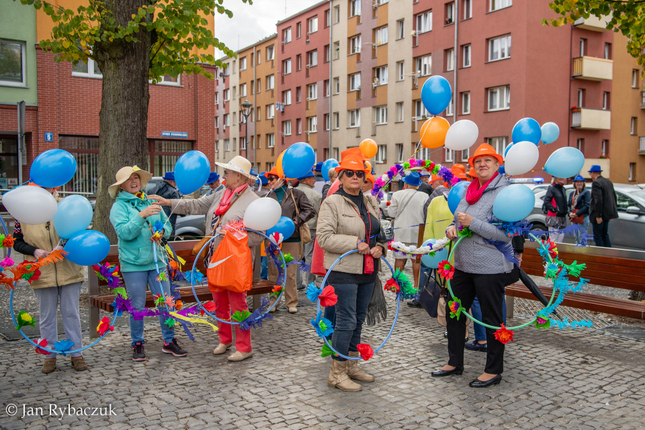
[184,250]
[609,267]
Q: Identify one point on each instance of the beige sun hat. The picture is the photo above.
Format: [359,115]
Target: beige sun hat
[238,164]
[124,174]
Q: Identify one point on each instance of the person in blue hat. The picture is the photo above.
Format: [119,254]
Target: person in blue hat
[264,189]
[214,183]
[168,190]
[603,206]
[579,202]
[406,208]
[306,184]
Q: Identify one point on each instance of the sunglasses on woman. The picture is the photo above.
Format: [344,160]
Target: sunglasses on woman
[359,173]
[272,178]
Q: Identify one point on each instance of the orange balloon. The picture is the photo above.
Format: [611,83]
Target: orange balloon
[278,165]
[433,132]
[368,148]
[368,166]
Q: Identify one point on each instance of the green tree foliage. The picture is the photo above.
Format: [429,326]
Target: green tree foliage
[627,17]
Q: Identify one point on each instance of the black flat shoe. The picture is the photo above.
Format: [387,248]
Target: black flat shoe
[483,384]
[456,371]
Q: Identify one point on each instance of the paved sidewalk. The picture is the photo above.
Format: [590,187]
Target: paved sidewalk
[552,379]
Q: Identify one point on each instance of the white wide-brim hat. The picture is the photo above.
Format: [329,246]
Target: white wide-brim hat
[238,164]
[124,174]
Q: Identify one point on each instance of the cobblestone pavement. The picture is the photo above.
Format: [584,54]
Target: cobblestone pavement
[552,379]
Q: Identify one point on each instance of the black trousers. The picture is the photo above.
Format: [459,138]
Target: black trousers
[490,291]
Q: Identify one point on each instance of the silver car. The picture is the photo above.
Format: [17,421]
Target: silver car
[627,231]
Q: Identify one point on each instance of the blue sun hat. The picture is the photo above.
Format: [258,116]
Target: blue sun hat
[212,178]
[169,176]
[413,179]
[578,178]
[595,169]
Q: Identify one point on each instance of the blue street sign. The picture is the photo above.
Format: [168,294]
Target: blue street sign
[49,136]
[179,134]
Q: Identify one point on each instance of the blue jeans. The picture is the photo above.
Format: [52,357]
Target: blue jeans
[351,310]
[601,233]
[135,284]
[480,330]
[264,272]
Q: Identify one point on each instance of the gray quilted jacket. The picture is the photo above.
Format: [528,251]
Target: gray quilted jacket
[474,254]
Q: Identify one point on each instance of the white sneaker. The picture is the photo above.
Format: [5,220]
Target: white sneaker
[293,310]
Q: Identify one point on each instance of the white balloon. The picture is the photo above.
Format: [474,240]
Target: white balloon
[462,135]
[262,214]
[30,205]
[521,158]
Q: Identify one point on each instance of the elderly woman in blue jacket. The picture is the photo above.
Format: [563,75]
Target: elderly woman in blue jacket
[481,269]
[133,216]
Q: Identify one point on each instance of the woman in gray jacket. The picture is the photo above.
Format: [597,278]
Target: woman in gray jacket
[480,268]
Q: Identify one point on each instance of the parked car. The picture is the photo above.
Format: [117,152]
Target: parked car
[627,231]
[187,227]
[384,203]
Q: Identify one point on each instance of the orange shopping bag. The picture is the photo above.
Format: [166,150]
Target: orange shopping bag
[231,266]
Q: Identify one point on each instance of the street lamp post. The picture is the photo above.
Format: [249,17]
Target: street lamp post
[246,111]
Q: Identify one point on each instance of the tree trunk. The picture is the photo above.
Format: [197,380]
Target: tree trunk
[124,108]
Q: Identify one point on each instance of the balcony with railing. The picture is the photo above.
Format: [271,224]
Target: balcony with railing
[593,23]
[592,69]
[641,149]
[591,119]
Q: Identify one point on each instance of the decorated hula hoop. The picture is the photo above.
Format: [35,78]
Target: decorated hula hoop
[316,322]
[260,317]
[541,318]
[40,347]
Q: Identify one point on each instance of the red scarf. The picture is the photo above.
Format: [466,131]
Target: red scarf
[226,199]
[475,191]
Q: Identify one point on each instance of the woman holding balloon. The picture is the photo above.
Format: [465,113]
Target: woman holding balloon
[133,216]
[220,209]
[480,268]
[60,281]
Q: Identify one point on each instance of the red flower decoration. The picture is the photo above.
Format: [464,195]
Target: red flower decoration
[104,326]
[209,306]
[504,335]
[365,351]
[277,288]
[446,270]
[328,297]
[179,304]
[8,242]
[42,343]
[391,285]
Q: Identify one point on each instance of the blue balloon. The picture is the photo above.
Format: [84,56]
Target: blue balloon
[87,248]
[508,148]
[53,168]
[527,129]
[74,214]
[502,169]
[328,164]
[436,94]
[298,160]
[550,132]
[191,171]
[565,162]
[455,195]
[513,203]
[433,262]
[285,226]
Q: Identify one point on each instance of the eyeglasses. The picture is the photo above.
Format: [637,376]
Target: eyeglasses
[272,178]
[359,173]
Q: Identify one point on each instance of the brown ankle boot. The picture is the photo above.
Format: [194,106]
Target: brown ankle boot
[338,377]
[79,364]
[355,372]
[49,365]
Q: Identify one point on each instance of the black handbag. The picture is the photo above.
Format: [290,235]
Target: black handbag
[429,295]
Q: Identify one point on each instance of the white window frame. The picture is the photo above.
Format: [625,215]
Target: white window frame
[92,69]
[270,111]
[355,82]
[336,119]
[632,126]
[270,140]
[449,155]
[468,9]
[499,143]
[465,103]
[380,75]
[298,125]
[270,82]
[381,154]
[380,115]
[243,90]
[286,128]
[336,85]
[226,94]
[227,120]
[465,154]
[450,111]
[381,35]
[286,35]
[23,65]
[355,45]
[354,118]
[354,8]
[270,53]
[450,59]
[605,100]
[400,71]
[499,48]
[466,55]
[327,87]
[242,143]
[399,152]
[312,91]
[286,97]
[227,145]
[423,65]
[312,124]
[500,4]
[312,23]
[312,58]
[424,22]
[635,78]
[450,13]
[242,64]
[603,147]
[216,98]
[286,66]
[400,112]
[420,110]
[502,95]
[400,29]
[327,121]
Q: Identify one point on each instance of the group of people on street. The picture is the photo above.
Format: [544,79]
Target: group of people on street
[344,217]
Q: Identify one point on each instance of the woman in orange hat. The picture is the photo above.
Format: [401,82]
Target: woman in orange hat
[348,221]
[480,268]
